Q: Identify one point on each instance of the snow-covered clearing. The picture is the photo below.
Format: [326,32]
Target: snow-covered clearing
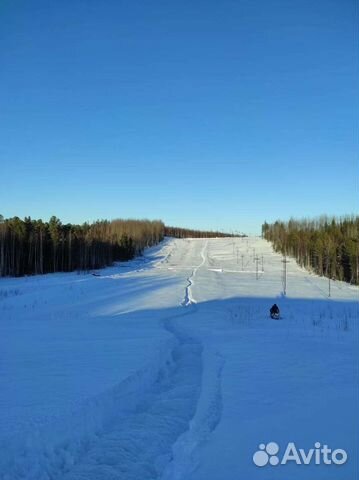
[168,367]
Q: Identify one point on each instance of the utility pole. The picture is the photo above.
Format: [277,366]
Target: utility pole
[262,264]
[242,262]
[328,272]
[257,260]
[237,255]
[284,280]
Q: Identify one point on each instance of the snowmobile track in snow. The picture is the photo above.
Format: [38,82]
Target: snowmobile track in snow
[188,297]
[139,445]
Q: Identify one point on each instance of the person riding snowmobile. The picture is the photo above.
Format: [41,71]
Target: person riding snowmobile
[274,311]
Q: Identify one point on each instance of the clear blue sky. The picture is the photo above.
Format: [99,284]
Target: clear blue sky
[209,114]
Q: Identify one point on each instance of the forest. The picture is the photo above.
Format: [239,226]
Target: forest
[35,247]
[178,232]
[327,246]
[30,246]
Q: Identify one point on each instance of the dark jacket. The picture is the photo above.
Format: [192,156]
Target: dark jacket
[274,309]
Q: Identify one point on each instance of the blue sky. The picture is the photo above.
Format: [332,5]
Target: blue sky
[207,114]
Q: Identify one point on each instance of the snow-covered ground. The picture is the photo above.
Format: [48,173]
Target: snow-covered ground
[168,367]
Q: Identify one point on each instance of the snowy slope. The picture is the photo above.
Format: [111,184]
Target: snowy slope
[168,367]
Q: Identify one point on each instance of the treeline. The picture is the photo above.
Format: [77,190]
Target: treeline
[188,233]
[34,246]
[328,246]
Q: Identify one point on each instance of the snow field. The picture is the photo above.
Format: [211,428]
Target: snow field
[167,367]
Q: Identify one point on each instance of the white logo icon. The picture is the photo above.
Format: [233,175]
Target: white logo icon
[266,453]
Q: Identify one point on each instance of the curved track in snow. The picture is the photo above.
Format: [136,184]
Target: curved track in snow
[188,296]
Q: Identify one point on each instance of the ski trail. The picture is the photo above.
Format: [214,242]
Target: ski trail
[207,417]
[188,297]
[139,445]
[209,406]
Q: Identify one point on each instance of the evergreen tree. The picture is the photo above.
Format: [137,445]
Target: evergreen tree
[328,246]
